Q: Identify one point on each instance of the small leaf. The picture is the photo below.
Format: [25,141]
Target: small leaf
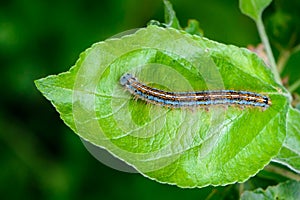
[253,8]
[289,155]
[287,190]
[193,28]
[183,147]
[170,16]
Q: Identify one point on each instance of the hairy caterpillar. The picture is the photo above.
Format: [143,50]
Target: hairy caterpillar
[192,99]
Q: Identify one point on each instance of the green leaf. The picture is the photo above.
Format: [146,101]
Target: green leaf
[189,148]
[193,28]
[289,155]
[170,16]
[288,190]
[253,8]
[171,21]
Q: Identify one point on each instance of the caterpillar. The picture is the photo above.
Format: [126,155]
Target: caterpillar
[192,99]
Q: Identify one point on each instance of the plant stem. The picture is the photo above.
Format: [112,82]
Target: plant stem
[283,58]
[241,188]
[296,49]
[294,86]
[213,192]
[282,172]
[265,41]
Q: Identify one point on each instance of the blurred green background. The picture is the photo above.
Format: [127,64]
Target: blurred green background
[40,157]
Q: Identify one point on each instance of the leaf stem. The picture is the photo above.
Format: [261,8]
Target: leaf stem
[284,56]
[213,192]
[282,172]
[296,49]
[294,86]
[241,188]
[282,60]
[265,41]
